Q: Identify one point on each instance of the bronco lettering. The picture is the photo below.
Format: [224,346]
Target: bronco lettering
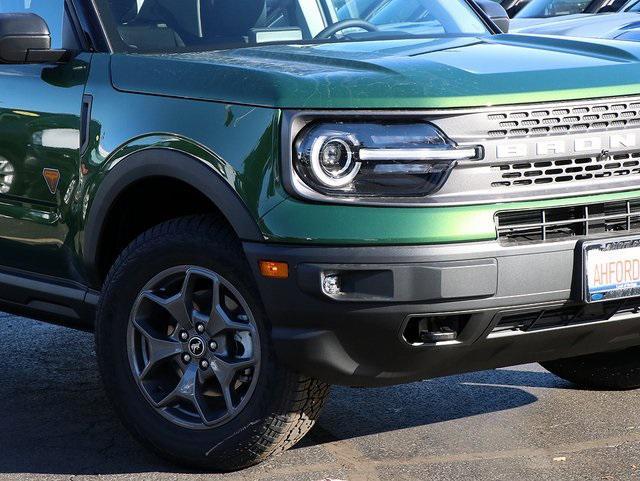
[546,148]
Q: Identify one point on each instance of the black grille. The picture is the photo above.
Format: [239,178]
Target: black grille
[561,223]
[565,316]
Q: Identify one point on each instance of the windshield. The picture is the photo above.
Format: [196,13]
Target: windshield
[556,8]
[176,25]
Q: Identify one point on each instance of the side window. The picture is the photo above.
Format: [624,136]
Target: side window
[54,13]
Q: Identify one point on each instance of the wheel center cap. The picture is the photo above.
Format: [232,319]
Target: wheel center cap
[196,347]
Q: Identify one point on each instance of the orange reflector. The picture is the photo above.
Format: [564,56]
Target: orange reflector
[52,178]
[276,270]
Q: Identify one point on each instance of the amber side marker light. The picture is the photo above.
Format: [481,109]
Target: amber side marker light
[275,270]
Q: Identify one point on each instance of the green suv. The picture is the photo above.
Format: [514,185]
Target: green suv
[250,200]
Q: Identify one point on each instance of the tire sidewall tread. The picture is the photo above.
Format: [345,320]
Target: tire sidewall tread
[284,405]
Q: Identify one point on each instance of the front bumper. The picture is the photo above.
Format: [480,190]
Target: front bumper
[362,338]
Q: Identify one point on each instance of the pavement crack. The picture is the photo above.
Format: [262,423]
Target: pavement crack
[573,448]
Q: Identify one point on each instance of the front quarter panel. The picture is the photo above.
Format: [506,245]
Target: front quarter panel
[236,143]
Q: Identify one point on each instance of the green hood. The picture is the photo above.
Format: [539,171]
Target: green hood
[415,73]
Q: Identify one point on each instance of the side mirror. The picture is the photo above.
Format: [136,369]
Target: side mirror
[25,38]
[496,13]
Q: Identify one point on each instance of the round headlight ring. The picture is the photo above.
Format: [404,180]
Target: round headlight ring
[342,177]
[342,157]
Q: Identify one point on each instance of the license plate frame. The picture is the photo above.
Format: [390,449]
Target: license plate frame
[610,244]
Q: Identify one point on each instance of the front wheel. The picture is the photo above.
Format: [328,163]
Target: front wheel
[185,354]
[619,370]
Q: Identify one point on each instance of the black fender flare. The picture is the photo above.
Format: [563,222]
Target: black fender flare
[159,162]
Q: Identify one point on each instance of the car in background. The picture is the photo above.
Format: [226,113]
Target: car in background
[553,8]
[557,8]
[617,26]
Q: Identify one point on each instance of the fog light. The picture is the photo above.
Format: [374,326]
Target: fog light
[331,285]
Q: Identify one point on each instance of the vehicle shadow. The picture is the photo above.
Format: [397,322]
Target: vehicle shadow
[57,420]
[361,412]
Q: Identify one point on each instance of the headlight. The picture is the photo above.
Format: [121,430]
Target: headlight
[382,159]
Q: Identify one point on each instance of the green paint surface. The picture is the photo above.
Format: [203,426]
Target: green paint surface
[296,221]
[392,74]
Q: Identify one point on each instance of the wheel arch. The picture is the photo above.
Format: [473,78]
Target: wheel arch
[168,164]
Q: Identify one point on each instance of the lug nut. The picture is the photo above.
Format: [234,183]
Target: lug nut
[186,358]
[213,345]
[200,328]
[204,364]
[184,335]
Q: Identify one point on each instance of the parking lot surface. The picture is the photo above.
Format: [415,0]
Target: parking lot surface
[520,423]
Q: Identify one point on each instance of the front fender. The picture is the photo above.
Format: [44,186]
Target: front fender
[227,152]
[171,163]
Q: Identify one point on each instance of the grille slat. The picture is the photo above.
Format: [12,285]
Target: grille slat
[582,118]
[564,316]
[568,170]
[562,223]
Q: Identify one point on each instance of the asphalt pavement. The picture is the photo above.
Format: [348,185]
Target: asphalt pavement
[513,424]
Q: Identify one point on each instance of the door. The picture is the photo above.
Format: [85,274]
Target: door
[40,124]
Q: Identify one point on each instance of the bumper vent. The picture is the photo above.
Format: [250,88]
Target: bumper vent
[566,170]
[562,223]
[565,316]
[567,118]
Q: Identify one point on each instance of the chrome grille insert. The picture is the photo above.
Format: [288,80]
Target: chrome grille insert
[561,223]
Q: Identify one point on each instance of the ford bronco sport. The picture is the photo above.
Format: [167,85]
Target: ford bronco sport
[250,200]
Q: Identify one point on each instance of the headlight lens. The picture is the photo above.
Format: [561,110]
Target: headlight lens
[333,161]
[348,159]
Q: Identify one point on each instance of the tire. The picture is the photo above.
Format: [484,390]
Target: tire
[275,406]
[616,371]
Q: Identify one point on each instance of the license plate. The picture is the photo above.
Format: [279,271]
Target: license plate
[611,269]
